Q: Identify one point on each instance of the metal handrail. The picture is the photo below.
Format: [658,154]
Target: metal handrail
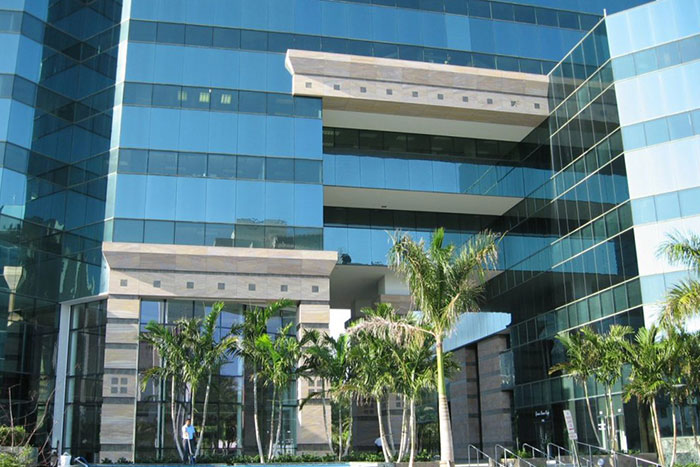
[533,449]
[81,461]
[506,450]
[479,451]
[567,451]
[614,453]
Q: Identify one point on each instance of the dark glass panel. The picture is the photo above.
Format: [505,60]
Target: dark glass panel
[138,93]
[224,100]
[280,42]
[189,233]
[280,104]
[159,232]
[142,31]
[198,35]
[524,14]
[568,20]
[502,11]
[167,96]
[250,236]
[253,102]
[227,38]
[133,160]
[162,163]
[126,230]
[170,33]
[251,167]
[479,8]
[279,237]
[253,40]
[307,171]
[546,17]
[279,169]
[221,166]
[219,235]
[308,239]
[194,165]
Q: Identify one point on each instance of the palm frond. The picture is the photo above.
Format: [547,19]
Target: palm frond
[682,301]
[682,249]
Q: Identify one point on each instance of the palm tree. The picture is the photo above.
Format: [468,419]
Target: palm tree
[682,300]
[281,364]
[167,341]
[191,352]
[647,356]
[255,325]
[207,353]
[582,357]
[330,359]
[444,283]
[610,365]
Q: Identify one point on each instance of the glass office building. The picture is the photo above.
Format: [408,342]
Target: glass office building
[159,155]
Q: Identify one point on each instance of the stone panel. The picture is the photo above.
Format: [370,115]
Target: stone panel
[117,425]
[121,358]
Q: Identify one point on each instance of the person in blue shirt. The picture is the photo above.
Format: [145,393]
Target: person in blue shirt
[188,440]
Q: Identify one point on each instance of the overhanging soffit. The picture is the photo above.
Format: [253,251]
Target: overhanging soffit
[408,88]
[213,259]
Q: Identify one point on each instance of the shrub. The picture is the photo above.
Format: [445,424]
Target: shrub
[6,434]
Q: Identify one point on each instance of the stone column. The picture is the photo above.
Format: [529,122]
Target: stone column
[311,434]
[119,384]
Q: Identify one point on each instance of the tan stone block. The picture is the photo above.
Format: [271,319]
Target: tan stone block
[123,308]
[117,424]
[313,313]
[121,358]
[122,333]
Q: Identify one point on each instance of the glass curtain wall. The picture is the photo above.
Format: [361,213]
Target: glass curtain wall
[84,380]
[584,271]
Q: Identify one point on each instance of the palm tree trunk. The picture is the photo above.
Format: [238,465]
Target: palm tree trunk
[382,436]
[272,422]
[404,429]
[329,434]
[657,432]
[204,416]
[340,431]
[590,412]
[412,422]
[390,430]
[255,414]
[613,429]
[279,422]
[347,443]
[176,433]
[675,433]
[447,457]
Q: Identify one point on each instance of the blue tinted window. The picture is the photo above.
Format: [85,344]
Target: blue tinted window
[142,31]
[546,17]
[189,233]
[222,166]
[194,165]
[307,171]
[568,20]
[250,167]
[690,202]
[224,100]
[253,40]
[133,160]
[219,235]
[167,96]
[227,38]
[690,49]
[656,131]
[633,137]
[668,55]
[667,206]
[479,8]
[307,239]
[280,104]
[280,42]
[162,163]
[645,61]
[679,126]
[137,93]
[695,117]
[170,33]
[128,231]
[457,7]
[279,169]
[307,107]
[279,237]
[385,50]
[159,232]
[253,102]
[525,14]
[198,35]
[250,236]
[502,11]
[623,67]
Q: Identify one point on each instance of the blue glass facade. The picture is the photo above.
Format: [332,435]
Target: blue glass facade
[173,122]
